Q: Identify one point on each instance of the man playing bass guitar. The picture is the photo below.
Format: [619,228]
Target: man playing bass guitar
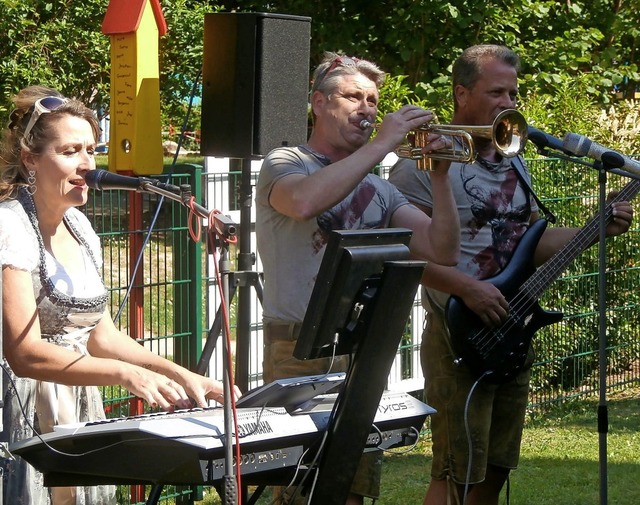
[496,208]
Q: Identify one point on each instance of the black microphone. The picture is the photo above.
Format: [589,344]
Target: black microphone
[103,180]
[580,145]
[544,140]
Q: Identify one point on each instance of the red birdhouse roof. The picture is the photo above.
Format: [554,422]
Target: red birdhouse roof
[123,16]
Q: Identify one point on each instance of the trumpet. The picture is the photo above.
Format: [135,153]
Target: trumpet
[508,134]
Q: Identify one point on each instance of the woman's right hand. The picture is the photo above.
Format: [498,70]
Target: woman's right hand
[156,389]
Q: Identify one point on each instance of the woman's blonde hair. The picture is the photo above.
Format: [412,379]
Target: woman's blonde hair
[13,173]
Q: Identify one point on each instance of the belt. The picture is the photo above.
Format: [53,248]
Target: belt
[281,331]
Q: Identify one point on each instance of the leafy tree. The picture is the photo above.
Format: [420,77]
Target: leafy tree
[421,38]
[577,46]
[181,61]
[60,43]
[57,43]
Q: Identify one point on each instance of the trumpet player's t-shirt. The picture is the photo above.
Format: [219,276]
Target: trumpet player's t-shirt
[291,251]
[494,208]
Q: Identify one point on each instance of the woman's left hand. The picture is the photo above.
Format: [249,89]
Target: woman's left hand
[201,389]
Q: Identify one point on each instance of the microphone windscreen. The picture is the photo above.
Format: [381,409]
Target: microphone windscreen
[103,180]
[93,178]
[576,144]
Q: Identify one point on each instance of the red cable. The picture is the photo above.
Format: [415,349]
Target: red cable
[195,236]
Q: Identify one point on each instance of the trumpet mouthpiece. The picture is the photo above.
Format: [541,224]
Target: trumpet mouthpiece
[365,123]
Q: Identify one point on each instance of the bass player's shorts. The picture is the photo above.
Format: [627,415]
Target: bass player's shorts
[495,416]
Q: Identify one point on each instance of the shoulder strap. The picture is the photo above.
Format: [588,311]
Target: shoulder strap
[516,162]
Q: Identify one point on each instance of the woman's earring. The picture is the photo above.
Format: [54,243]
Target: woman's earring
[31,180]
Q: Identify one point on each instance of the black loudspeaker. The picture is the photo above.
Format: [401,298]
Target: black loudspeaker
[255,83]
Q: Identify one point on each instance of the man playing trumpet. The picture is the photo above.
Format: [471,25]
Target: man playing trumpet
[306,191]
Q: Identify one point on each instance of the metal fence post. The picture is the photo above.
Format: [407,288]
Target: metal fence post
[188,289]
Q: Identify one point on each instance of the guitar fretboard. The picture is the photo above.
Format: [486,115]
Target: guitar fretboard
[551,269]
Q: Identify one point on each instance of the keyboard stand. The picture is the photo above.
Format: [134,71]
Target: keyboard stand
[366,382]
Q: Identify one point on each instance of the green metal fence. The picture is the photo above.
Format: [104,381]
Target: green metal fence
[165,294]
[153,270]
[568,352]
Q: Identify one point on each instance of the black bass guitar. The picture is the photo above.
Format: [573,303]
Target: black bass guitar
[499,354]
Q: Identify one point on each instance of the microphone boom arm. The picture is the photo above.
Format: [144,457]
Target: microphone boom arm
[591,164]
[223,225]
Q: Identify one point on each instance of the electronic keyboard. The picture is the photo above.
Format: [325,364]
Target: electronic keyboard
[188,446]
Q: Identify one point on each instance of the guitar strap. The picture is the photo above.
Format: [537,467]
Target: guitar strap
[517,164]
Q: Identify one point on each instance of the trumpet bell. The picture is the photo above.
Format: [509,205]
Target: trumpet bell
[508,132]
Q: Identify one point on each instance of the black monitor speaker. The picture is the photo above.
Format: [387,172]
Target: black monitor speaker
[345,288]
[255,83]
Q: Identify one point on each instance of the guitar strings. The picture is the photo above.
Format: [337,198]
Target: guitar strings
[526,297]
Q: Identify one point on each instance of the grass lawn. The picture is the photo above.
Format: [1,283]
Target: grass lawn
[560,455]
[559,461]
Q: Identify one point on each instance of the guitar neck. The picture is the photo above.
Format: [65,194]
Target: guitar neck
[552,268]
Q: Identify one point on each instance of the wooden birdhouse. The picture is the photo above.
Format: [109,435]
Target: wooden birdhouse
[135,135]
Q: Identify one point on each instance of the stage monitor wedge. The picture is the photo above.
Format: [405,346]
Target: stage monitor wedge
[255,83]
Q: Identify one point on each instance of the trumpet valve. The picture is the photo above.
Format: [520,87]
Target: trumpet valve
[425,164]
[410,152]
[420,138]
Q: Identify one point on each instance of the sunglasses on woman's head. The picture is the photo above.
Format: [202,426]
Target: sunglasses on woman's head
[43,106]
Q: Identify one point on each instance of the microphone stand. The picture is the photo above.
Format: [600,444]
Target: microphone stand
[224,228]
[603,412]
[611,162]
[230,493]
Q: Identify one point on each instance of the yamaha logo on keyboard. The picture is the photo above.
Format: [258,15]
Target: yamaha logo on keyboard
[261,428]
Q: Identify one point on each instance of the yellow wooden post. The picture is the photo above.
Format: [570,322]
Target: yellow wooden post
[135,135]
